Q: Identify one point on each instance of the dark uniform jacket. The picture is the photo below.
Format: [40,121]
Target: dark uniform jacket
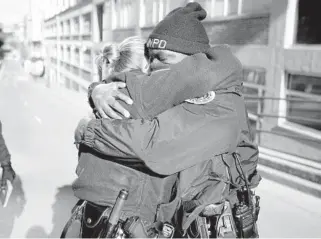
[189,138]
[4,153]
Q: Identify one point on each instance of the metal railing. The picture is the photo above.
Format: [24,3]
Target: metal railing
[261,117]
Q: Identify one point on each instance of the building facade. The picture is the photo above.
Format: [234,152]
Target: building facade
[276,40]
[70,33]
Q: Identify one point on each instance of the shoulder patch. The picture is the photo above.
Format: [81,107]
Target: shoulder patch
[210,96]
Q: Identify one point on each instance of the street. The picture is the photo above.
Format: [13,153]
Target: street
[38,124]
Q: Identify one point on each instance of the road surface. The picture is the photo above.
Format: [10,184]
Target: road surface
[38,124]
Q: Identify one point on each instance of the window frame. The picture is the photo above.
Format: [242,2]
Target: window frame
[122,14]
[86,29]
[158,13]
[294,6]
[261,88]
[87,59]
[226,15]
[142,15]
[283,122]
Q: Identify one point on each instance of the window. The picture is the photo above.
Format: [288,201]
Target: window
[87,59]
[217,8]
[54,30]
[304,95]
[233,7]
[72,55]
[309,18]
[86,75]
[77,56]
[142,15]
[53,75]
[74,70]
[222,8]
[254,87]
[84,89]
[61,53]
[152,11]
[65,54]
[124,14]
[62,28]
[155,12]
[67,67]
[75,28]
[148,12]
[87,24]
[68,54]
[252,125]
[100,15]
[162,9]
[67,81]
[53,52]
[67,28]
[254,6]
[73,3]
[75,86]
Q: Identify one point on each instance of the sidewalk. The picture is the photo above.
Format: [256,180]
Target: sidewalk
[288,213]
[67,96]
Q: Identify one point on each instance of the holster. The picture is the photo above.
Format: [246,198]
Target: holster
[76,215]
[94,220]
[223,221]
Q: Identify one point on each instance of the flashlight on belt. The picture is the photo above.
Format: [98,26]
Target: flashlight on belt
[115,214]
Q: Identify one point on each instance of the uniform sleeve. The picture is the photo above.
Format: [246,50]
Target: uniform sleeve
[4,153]
[175,140]
[190,78]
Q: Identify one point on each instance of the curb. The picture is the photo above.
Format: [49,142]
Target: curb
[298,173]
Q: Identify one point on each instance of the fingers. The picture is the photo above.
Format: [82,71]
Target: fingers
[119,84]
[124,98]
[101,113]
[3,183]
[104,97]
[108,112]
[119,108]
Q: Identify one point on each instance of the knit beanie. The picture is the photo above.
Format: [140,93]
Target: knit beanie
[181,31]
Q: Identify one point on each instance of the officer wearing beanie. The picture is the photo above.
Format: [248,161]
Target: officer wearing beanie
[181,31]
[184,125]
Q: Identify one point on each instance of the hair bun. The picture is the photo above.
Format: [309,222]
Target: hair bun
[107,55]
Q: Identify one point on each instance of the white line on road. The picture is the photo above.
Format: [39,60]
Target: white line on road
[38,119]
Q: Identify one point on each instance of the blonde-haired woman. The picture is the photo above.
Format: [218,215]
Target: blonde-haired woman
[129,55]
[125,56]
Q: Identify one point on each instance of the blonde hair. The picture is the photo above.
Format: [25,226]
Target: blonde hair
[125,56]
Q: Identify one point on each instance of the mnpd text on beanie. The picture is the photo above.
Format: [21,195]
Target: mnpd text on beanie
[181,31]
